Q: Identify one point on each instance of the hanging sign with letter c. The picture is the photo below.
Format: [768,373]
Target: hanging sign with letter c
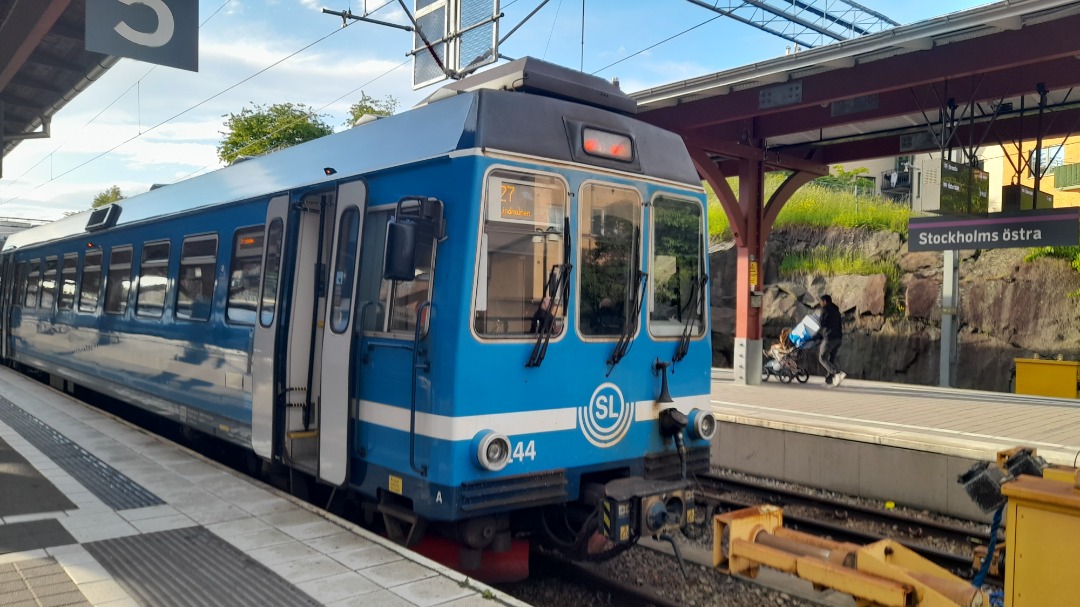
[165,32]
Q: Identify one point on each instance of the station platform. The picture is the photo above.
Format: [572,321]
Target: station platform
[894,442]
[94,511]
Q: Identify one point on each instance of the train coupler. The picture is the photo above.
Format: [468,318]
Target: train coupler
[635,506]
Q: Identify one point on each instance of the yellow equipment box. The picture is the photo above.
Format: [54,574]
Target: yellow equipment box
[1042,539]
[1047,377]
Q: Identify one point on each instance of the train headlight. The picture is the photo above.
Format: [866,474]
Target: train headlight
[702,424]
[492,450]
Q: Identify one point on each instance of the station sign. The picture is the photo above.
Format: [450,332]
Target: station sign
[1050,228]
[165,32]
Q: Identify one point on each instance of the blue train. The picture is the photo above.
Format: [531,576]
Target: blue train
[487,312]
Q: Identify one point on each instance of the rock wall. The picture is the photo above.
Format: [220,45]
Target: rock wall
[1008,308]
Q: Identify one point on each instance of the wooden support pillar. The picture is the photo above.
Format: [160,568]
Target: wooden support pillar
[748,347]
[751,222]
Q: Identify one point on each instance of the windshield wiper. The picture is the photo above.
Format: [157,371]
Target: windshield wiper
[558,288]
[692,309]
[626,339]
[630,324]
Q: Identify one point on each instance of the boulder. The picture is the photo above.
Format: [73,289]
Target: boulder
[922,298]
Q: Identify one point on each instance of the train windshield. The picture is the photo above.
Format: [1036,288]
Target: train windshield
[610,259]
[521,243]
[676,303]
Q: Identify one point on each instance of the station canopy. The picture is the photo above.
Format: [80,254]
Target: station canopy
[995,74]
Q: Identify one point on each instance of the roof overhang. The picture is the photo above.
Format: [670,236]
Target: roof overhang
[43,64]
[890,93]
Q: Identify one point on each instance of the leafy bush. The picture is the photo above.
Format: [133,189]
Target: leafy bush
[1070,254]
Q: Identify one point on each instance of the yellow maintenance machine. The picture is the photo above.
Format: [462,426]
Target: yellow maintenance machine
[1042,545]
[884,573]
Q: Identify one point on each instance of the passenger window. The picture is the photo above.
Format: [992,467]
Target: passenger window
[21,278]
[268,301]
[678,262]
[118,281]
[198,260]
[245,271]
[90,289]
[341,302]
[48,285]
[25,268]
[153,278]
[610,258]
[33,284]
[521,245]
[67,282]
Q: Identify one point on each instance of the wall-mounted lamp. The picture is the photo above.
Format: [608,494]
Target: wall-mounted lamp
[329,170]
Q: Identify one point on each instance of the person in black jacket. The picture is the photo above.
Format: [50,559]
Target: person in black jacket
[833,335]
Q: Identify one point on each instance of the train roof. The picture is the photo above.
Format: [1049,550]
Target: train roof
[462,119]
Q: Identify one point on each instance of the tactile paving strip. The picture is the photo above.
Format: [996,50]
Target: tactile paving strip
[107,483]
[192,567]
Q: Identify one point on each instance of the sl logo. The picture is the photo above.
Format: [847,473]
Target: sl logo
[607,417]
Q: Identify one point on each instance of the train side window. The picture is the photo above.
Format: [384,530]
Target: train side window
[521,245]
[33,282]
[344,272]
[47,294]
[373,289]
[67,282]
[678,261]
[90,289]
[268,299]
[118,281]
[245,272]
[153,278]
[198,260]
[610,247]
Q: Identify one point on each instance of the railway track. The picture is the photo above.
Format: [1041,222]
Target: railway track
[843,521]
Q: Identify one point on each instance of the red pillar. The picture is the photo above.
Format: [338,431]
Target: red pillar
[748,347]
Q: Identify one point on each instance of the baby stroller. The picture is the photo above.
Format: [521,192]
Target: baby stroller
[782,359]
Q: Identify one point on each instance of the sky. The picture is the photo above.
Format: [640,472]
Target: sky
[140,124]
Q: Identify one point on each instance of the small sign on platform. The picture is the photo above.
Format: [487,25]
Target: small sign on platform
[1056,227]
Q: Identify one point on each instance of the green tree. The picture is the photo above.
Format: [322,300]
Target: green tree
[371,105]
[109,196]
[848,180]
[264,129]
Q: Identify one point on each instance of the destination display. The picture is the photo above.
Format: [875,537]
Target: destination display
[1057,227]
[526,202]
[964,189]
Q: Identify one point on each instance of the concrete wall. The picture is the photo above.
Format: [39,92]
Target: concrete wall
[907,477]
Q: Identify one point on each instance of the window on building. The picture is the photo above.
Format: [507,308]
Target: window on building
[1049,158]
[198,262]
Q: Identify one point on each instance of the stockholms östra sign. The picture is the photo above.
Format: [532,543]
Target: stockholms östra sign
[1055,227]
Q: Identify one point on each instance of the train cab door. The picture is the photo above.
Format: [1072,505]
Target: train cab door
[337,342]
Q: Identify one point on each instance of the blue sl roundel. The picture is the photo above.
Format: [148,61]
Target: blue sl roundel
[607,417]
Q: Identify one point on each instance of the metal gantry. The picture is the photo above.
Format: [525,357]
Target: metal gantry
[807,23]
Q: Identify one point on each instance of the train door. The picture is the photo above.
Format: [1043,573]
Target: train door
[288,332]
[7,288]
[337,342]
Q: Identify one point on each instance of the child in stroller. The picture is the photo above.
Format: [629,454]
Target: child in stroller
[782,359]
